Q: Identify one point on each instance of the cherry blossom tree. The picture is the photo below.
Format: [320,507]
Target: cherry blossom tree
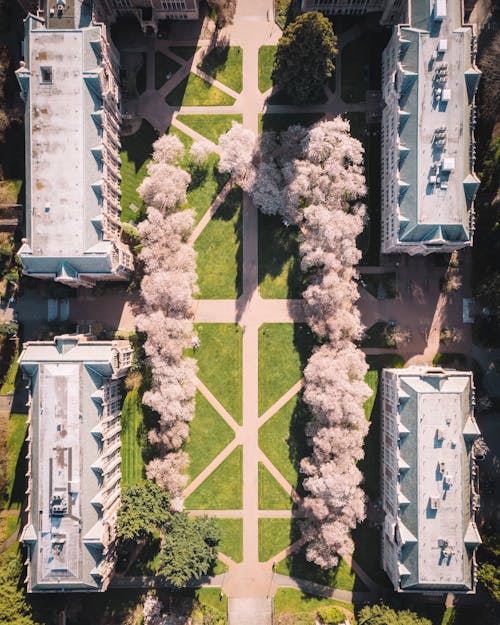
[200,150]
[237,151]
[168,149]
[169,472]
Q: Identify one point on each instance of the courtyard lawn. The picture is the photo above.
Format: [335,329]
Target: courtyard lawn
[223,489]
[284,349]
[231,543]
[135,155]
[280,276]
[283,440]
[208,435]
[271,494]
[9,383]
[225,64]
[185,52]
[194,91]
[210,126]
[16,434]
[214,598]
[266,63]
[276,535]
[165,68]
[219,359]
[132,422]
[295,602]
[367,552]
[220,251]
[281,121]
[371,378]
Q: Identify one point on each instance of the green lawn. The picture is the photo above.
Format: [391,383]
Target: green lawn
[135,155]
[9,382]
[275,535]
[185,52]
[283,440]
[280,276]
[271,494]
[367,552]
[266,62]
[206,183]
[284,349]
[214,598]
[210,126]
[225,64]
[281,121]
[371,379]
[231,543]
[220,364]
[341,577]
[223,489]
[16,433]
[220,251]
[165,68]
[208,435]
[291,600]
[194,91]
[132,421]
[355,70]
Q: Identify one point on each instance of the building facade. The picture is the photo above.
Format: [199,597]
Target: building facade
[428,480]
[74,460]
[429,80]
[391,10]
[149,12]
[69,82]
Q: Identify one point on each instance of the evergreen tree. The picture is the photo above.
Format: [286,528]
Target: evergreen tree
[381,614]
[144,507]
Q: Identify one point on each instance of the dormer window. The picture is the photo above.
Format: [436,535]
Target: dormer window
[46,75]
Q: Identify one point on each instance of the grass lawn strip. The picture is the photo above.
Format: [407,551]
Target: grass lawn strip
[165,68]
[220,251]
[135,155]
[210,126]
[219,359]
[272,496]
[184,52]
[223,489]
[275,535]
[371,378]
[281,121]
[266,62]
[291,600]
[231,543]
[9,383]
[214,598]
[16,434]
[284,349]
[208,435]
[225,64]
[283,440]
[132,422]
[194,91]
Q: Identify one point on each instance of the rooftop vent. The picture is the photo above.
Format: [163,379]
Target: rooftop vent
[434,503]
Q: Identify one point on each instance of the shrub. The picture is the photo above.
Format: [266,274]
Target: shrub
[330,615]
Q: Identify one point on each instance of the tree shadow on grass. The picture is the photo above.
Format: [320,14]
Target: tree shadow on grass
[215,60]
[17,494]
[139,146]
[226,212]
[298,446]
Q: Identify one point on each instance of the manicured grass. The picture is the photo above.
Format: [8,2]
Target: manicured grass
[371,378]
[355,70]
[132,421]
[266,62]
[135,155]
[367,552]
[225,64]
[194,91]
[165,68]
[185,52]
[210,126]
[16,433]
[208,435]
[231,543]
[342,577]
[223,489]
[271,494]
[9,382]
[283,440]
[284,349]
[449,616]
[214,598]
[219,359]
[281,121]
[280,276]
[275,535]
[220,251]
[291,600]
[8,525]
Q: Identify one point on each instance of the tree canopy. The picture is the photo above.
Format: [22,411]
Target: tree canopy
[383,615]
[304,58]
[144,507]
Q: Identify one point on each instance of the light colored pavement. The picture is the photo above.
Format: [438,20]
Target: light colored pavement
[250,611]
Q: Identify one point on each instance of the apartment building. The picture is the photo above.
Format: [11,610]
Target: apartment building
[74,460]
[69,82]
[391,10]
[429,82]
[428,478]
[149,12]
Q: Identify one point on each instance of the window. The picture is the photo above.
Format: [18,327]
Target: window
[46,75]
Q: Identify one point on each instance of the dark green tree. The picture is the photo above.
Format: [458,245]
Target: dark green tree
[488,572]
[189,548]
[304,58]
[381,614]
[144,508]
[13,607]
